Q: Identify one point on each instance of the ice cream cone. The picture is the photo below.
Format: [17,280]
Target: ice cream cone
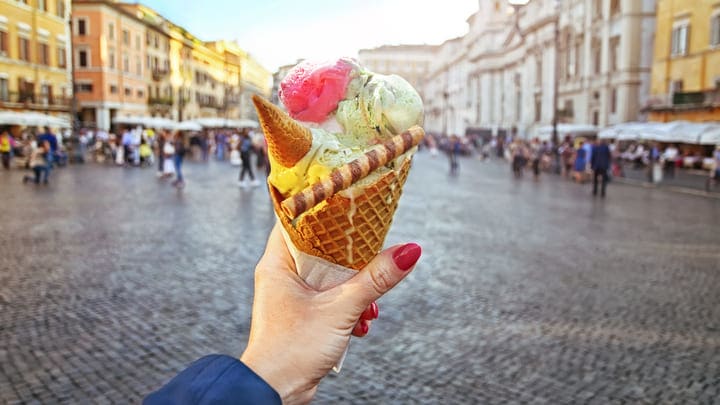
[287,140]
[347,229]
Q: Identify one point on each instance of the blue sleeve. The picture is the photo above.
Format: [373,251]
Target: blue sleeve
[215,379]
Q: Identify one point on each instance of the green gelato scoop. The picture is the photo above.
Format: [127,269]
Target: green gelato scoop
[384,105]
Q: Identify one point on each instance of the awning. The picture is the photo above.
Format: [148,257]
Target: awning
[225,123]
[668,132]
[32,119]
[545,132]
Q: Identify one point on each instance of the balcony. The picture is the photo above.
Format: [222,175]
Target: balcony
[35,101]
[210,103]
[159,74]
[684,101]
[160,101]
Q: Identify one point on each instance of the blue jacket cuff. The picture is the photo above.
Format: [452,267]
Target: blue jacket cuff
[215,379]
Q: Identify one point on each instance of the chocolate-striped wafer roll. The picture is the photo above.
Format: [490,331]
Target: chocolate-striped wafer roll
[349,173]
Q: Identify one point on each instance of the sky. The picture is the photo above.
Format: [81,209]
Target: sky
[279,32]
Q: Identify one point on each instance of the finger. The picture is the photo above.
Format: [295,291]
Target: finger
[380,275]
[371,312]
[361,328]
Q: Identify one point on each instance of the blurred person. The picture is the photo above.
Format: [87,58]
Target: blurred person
[669,158]
[284,363]
[168,151]
[580,163]
[600,163]
[49,137]
[160,145]
[7,144]
[454,149]
[220,143]
[536,153]
[246,147]
[204,146]
[127,142]
[518,155]
[567,153]
[39,162]
[146,153]
[714,178]
[179,144]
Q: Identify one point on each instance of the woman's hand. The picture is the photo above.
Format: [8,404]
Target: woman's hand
[298,334]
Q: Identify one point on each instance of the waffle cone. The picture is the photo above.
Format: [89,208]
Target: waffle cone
[287,140]
[347,231]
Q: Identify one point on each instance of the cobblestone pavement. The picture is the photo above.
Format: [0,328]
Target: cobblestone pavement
[528,292]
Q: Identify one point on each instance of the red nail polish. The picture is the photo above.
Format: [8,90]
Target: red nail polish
[364,327]
[374,309]
[406,256]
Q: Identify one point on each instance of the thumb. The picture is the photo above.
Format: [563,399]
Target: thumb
[380,275]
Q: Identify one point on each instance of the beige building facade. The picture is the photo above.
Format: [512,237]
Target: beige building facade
[501,76]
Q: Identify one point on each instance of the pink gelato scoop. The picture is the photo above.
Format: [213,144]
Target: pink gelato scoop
[312,91]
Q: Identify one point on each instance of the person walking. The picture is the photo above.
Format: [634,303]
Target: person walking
[453,153]
[7,143]
[580,163]
[246,147]
[178,157]
[600,163]
[39,163]
[161,139]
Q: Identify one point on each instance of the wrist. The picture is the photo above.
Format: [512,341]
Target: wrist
[290,389]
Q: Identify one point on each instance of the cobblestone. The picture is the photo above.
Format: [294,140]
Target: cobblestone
[527,292]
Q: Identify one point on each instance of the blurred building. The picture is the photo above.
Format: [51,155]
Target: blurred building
[686,65]
[133,61]
[412,62]
[35,72]
[501,76]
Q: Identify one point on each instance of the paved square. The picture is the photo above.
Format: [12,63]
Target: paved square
[528,292]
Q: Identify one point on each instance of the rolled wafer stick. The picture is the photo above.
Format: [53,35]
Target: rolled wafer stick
[349,173]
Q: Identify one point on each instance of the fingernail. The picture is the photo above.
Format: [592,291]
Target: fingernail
[406,256]
[374,309]
[364,327]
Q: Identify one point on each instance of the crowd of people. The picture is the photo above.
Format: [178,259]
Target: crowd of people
[41,150]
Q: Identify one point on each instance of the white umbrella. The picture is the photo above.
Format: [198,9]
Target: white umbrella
[130,119]
[188,126]
[34,119]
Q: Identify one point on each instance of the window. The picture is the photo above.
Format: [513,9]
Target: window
[597,57]
[113,89]
[614,53]
[613,101]
[111,31]
[140,93]
[538,108]
[61,57]
[111,58]
[597,9]
[126,37]
[42,5]
[4,93]
[614,7]
[596,118]
[43,54]
[128,91]
[137,42]
[60,8]
[83,60]
[84,88]
[126,64]
[138,66]
[578,56]
[82,26]
[3,43]
[24,49]
[715,30]
[679,39]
